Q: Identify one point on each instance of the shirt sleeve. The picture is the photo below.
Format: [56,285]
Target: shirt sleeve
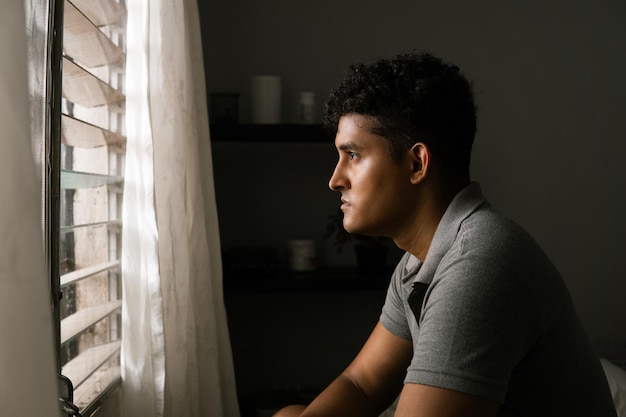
[478,320]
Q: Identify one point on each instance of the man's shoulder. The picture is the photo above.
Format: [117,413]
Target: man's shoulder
[488,226]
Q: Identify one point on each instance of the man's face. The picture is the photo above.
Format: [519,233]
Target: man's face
[374,188]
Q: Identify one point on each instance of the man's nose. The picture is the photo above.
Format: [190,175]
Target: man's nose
[336,182]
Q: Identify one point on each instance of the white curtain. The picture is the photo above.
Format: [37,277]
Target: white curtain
[176,357]
[28,379]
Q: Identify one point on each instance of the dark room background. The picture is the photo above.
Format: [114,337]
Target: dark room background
[550,152]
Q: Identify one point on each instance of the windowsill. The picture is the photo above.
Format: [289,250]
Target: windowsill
[90,395]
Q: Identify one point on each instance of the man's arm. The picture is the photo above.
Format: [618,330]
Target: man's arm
[370,383]
[374,379]
[419,400]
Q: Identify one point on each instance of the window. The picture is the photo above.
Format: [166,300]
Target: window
[85,192]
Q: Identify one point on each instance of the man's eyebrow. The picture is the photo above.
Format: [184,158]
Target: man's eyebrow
[348,146]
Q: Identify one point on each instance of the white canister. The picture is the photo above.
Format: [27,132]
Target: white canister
[265,99]
[302,255]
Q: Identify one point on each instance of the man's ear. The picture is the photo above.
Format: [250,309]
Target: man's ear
[420,158]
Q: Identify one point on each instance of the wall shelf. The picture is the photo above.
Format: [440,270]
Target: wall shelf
[269,133]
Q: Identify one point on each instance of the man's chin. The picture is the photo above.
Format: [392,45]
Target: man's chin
[355,230]
[352,230]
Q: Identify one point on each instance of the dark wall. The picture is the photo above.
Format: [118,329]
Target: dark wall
[550,150]
[296,342]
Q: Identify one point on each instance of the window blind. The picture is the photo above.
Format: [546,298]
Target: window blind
[92,145]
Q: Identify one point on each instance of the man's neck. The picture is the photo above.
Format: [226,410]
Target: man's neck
[417,237]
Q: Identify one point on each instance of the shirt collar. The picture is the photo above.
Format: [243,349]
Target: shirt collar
[466,202]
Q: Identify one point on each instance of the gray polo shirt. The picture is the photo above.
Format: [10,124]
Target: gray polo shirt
[496,320]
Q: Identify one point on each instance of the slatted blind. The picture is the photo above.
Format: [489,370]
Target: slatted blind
[91,193]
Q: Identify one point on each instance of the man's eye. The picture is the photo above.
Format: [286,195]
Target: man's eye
[352,155]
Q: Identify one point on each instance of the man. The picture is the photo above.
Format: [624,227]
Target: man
[477,321]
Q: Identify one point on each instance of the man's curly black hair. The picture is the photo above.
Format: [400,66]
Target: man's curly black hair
[414,97]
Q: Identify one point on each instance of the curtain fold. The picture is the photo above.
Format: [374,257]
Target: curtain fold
[28,385]
[176,357]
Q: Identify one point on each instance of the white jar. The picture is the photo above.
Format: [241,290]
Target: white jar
[265,97]
[306,107]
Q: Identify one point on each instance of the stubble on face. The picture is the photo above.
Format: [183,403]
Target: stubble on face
[372,185]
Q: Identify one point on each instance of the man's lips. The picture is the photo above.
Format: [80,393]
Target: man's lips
[344,203]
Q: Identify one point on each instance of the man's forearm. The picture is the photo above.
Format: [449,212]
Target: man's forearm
[343,397]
